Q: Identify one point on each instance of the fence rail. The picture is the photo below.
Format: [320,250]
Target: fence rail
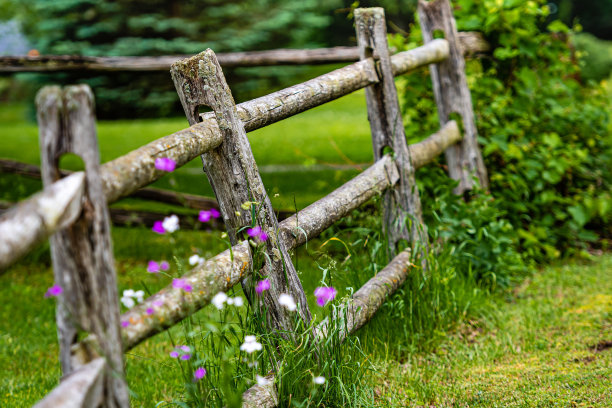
[471,43]
[70,202]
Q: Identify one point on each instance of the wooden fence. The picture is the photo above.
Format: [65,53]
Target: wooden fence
[72,211]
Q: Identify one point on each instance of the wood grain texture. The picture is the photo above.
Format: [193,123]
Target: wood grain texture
[402,213]
[83,388]
[82,256]
[453,95]
[235,178]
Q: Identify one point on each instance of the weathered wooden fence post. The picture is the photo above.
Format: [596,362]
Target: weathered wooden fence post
[453,95]
[82,254]
[233,173]
[401,204]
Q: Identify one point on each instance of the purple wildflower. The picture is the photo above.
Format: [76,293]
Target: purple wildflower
[257,233]
[54,291]
[199,373]
[158,303]
[153,267]
[164,266]
[165,164]
[150,311]
[181,284]
[174,354]
[324,295]
[158,227]
[262,285]
[254,232]
[125,323]
[185,356]
[204,216]
[186,349]
[215,213]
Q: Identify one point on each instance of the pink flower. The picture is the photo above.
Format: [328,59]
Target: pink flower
[150,311]
[158,303]
[152,267]
[181,284]
[54,291]
[174,354]
[165,164]
[199,373]
[158,227]
[185,356]
[254,232]
[257,233]
[186,349]
[204,216]
[324,295]
[125,323]
[262,285]
[164,266]
[215,213]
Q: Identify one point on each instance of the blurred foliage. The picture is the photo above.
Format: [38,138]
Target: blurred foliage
[165,27]
[593,15]
[596,56]
[543,135]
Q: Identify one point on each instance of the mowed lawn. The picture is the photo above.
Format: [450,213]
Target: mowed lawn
[293,154]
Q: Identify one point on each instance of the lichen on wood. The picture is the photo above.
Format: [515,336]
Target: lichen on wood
[453,95]
[402,214]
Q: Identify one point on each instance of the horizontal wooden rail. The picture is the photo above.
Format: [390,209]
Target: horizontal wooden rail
[196,202]
[471,42]
[82,388]
[128,173]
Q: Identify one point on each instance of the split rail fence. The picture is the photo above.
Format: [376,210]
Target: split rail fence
[72,211]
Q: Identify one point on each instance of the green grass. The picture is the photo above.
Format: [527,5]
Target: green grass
[335,133]
[537,348]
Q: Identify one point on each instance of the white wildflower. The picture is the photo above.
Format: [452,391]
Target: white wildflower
[218,300]
[287,301]
[319,380]
[128,302]
[250,344]
[238,301]
[196,260]
[171,223]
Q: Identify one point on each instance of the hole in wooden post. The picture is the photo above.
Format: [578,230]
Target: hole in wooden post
[201,110]
[369,52]
[386,150]
[439,34]
[71,161]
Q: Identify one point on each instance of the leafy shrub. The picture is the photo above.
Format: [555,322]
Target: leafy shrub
[543,135]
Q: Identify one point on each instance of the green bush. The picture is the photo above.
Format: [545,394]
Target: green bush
[543,135]
[596,56]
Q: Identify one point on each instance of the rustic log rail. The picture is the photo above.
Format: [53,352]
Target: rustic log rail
[472,43]
[70,198]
